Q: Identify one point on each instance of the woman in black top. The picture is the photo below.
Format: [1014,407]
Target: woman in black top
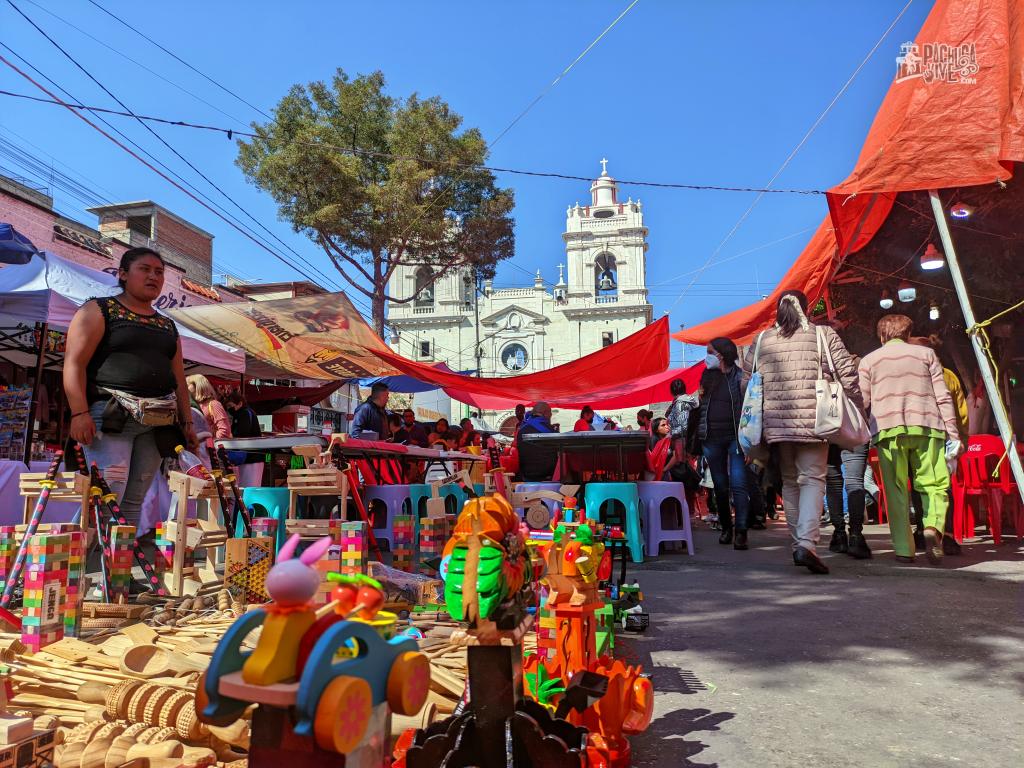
[721,400]
[125,381]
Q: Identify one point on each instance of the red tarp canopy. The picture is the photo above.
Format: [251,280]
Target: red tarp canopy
[630,394]
[642,354]
[929,133]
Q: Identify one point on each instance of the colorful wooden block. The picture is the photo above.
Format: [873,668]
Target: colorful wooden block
[8,551]
[434,534]
[403,545]
[45,596]
[119,562]
[353,544]
[264,526]
[75,591]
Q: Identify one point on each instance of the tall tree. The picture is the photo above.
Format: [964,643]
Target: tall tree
[378,182]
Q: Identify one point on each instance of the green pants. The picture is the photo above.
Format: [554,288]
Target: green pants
[922,458]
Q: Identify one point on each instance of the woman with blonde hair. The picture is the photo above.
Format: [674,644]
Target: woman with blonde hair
[205,397]
[791,358]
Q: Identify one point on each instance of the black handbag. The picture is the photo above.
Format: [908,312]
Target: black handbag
[685,473]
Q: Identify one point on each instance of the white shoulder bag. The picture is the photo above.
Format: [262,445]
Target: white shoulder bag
[836,419]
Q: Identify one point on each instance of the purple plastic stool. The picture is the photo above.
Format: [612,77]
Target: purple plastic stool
[397,500]
[653,495]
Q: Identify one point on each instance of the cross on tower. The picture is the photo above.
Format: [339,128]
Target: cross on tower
[604,167]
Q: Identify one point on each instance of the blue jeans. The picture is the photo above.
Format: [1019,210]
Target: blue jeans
[729,474]
[128,461]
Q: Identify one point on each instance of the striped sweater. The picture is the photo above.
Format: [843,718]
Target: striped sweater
[903,386]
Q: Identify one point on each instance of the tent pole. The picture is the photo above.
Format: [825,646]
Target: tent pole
[991,385]
[30,429]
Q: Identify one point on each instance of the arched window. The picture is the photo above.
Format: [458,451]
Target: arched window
[605,275]
[424,287]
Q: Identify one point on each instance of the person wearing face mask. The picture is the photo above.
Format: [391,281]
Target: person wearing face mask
[721,400]
[790,365]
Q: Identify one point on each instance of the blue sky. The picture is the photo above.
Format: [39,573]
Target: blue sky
[684,92]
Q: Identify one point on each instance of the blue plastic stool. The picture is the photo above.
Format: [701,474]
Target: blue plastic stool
[653,496]
[418,495]
[268,502]
[554,507]
[397,500]
[599,494]
[479,488]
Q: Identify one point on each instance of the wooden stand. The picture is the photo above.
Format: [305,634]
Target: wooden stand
[207,534]
[314,481]
[68,486]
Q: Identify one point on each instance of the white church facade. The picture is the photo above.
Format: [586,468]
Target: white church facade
[599,298]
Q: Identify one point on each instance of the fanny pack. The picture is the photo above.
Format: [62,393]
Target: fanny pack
[148,411]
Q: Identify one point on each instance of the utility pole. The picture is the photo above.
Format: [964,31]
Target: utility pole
[477,290]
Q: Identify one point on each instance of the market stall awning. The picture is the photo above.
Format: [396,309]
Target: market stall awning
[15,248]
[955,119]
[406,384]
[325,337]
[50,289]
[629,394]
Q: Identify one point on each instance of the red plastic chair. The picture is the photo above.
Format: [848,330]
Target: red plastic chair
[989,476]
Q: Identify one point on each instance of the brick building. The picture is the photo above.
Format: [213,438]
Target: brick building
[187,249]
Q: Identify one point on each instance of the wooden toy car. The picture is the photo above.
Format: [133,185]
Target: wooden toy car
[338,702]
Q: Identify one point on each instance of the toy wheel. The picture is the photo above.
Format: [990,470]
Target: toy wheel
[408,683]
[203,701]
[342,714]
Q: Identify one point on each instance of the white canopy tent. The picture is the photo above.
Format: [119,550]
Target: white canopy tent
[49,289]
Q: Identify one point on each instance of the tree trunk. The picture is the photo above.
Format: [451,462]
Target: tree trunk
[377,304]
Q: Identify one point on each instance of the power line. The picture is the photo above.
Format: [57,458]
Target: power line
[231,133]
[792,154]
[136,63]
[157,171]
[159,137]
[176,57]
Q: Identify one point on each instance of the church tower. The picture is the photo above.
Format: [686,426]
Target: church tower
[606,246]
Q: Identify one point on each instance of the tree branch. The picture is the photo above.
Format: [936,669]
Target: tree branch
[329,246]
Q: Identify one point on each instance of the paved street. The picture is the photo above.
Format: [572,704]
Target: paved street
[759,663]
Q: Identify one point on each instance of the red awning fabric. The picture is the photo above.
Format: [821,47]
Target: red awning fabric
[629,394]
[928,134]
[642,354]
[933,134]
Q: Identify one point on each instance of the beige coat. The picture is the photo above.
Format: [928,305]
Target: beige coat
[790,370]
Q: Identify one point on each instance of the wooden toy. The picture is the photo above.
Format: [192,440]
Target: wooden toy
[403,548]
[118,555]
[109,499]
[292,584]
[190,571]
[8,552]
[434,533]
[75,590]
[317,481]
[352,539]
[12,727]
[334,706]
[46,577]
[46,486]
[487,565]
[246,565]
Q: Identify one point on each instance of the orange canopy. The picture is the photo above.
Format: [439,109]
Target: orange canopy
[954,117]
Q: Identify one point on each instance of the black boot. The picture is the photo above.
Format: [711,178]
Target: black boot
[951,546]
[858,547]
[726,537]
[740,542]
[810,560]
[839,541]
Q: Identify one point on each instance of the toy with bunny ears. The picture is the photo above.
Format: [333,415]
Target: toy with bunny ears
[291,583]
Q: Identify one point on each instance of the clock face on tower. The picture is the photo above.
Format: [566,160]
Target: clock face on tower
[514,357]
